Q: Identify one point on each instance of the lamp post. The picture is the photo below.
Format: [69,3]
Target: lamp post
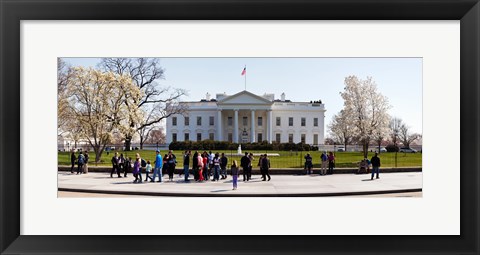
[395,139]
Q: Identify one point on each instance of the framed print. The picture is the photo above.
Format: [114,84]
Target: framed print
[437,40]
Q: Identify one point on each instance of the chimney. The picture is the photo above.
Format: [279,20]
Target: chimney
[283,97]
[207,96]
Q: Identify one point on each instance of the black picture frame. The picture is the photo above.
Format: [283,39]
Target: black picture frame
[12,12]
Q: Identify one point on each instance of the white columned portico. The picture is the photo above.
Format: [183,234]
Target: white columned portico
[219,126]
[252,128]
[235,126]
[269,125]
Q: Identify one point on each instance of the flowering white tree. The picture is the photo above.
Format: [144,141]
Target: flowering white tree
[159,102]
[342,129]
[98,105]
[366,108]
[63,74]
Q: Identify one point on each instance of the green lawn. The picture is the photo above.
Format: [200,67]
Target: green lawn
[285,160]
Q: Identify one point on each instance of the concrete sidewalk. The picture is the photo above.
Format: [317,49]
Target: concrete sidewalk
[279,186]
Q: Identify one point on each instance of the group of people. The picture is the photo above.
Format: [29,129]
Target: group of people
[329,161]
[326,161]
[205,165]
[364,166]
[81,161]
[208,165]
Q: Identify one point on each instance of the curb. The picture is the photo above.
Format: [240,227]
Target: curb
[140,193]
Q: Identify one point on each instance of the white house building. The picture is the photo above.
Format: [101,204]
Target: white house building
[246,117]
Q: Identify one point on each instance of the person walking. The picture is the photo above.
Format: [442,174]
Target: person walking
[244,162]
[148,169]
[128,166]
[206,175]
[250,166]
[115,165]
[186,164]
[121,163]
[260,166]
[324,159]
[200,167]
[223,166]
[308,164]
[165,165]
[85,165]
[172,163]
[136,170]
[143,164]
[158,167]
[80,162]
[375,165]
[195,165]
[211,167]
[73,160]
[331,162]
[216,167]
[234,174]
[265,167]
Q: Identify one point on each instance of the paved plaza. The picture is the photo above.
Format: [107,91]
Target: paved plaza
[280,185]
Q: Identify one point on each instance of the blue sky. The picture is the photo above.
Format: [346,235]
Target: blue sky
[301,79]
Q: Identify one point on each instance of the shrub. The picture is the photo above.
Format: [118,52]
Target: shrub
[224,145]
[392,148]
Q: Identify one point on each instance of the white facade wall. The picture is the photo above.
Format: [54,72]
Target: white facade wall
[245,102]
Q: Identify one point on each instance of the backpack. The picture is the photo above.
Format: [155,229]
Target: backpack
[144,163]
[80,159]
[324,157]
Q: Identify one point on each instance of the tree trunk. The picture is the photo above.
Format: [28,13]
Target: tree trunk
[141,142]
[345,147]
[98,154]
[128,143]
[365,149]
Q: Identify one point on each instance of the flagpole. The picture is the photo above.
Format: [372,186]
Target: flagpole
[245,77]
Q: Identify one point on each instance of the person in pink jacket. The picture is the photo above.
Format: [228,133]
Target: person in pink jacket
[200,167]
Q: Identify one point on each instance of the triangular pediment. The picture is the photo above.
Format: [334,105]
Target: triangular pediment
[245,97]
